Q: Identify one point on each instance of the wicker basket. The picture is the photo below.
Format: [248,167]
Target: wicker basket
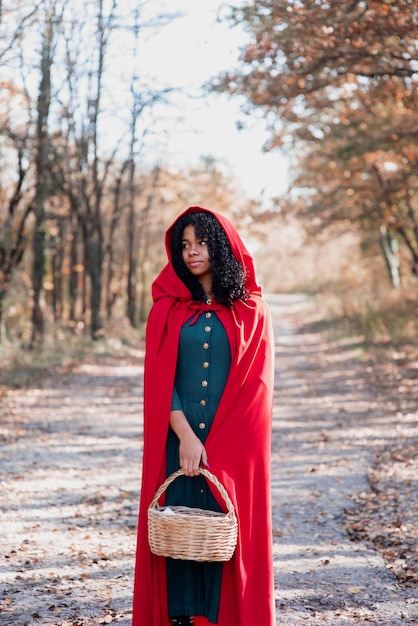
[192,534]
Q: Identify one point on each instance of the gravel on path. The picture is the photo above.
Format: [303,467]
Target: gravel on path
[70,475]
[70,461]
[327,422]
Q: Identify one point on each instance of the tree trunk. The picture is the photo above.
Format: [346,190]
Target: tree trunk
[44,100]
[132,255]
[1,313]
[390,248]
[95,256]
[74,267]
[110,295]
[143,243]
[410,246]
[57,261]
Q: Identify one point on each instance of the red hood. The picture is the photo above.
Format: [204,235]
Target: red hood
[169,284]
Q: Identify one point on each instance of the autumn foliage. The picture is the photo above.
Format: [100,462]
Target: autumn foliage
[337,82]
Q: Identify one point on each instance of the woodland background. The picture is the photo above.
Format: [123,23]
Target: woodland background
[84,205]
[83,208]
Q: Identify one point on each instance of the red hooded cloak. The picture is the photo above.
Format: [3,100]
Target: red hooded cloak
[238,444]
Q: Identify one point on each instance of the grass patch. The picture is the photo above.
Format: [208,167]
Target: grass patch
[62,350]
[389,317]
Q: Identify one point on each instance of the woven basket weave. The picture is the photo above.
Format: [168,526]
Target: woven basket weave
[192,534]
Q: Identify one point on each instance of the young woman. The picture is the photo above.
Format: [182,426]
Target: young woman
[208,401]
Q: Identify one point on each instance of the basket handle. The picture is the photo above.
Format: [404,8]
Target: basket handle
[211,477]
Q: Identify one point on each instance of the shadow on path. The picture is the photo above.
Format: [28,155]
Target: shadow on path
[326,425]
[70,474]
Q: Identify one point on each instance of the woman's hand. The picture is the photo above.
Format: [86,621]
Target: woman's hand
[191,451]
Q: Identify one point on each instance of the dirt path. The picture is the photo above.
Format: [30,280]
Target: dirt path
[69,498]
[327,423]
[69,469]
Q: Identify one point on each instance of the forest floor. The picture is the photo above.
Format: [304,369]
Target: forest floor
[345,505]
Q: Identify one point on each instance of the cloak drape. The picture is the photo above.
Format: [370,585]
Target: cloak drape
[238,444]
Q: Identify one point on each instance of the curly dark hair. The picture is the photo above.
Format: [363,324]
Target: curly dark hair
[228,275]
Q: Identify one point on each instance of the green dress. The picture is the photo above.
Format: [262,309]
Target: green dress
[203,364]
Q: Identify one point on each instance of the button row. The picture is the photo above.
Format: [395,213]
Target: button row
[205,364]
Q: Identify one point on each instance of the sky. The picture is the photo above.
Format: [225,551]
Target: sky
[186,53]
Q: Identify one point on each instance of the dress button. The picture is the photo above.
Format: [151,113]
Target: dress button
[202,425]
[205,346]
[208,329]
[208,314]
[205,364]
[204,383]
[203,402]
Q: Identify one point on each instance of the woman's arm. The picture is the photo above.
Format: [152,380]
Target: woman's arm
[191,450]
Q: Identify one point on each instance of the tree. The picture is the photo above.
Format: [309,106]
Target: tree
[41,167]
[13,221]
[337,84]
[78,147]
[94,166]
